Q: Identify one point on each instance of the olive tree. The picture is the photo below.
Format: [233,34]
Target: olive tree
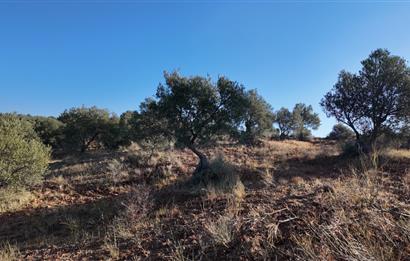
[304,119]
[23,158]
[258,117]
[84,126]
[374,100]
[284,120]
[194,110]
[49,129]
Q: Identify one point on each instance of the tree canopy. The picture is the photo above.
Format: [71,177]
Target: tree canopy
[84,126]
[297,123]
[23,158]
[194,110]
[374,100]
[258,117]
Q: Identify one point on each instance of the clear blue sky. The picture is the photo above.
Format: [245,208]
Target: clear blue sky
[55,54]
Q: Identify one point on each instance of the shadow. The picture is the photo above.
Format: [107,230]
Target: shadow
[60,225]
[177,193]
[69,160]
[323,166]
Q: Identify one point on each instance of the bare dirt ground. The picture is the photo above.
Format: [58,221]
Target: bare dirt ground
[302,201]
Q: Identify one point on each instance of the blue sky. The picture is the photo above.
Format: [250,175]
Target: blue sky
[56,55]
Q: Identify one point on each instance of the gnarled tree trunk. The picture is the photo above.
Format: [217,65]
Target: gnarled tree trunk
[203,163]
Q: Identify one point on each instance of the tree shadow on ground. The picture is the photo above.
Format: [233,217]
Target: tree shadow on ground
[60,225]
[323,166]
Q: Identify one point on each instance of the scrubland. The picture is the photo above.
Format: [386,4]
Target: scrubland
[282,200]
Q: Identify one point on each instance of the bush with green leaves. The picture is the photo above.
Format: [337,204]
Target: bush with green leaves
[341,133]
[85,127]
[23,158]
[257,118]
[49,130]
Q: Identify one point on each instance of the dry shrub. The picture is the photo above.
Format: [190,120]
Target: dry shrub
[298,181]
[14,199]
[160,167]
[111,246]
[221,230]
[9,253]
[132,221]
[116,171]
[397,153]
[222,179]
[371,239]
[362,226]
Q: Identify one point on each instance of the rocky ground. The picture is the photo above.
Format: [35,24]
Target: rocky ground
[295,201]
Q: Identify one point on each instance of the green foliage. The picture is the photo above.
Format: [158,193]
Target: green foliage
[304,119]
[49,129]
[298,122]
[340,132]
[127,127]
[258,118]
[374,100]
[84,127]
[23,158]
[193,110]
[284,120]
[150,128]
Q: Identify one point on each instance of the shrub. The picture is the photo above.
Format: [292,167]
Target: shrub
[14,199]
[23,159]
[9,252]
[350,148]
[86,127]
[221,178]
[49,130]
[340,132]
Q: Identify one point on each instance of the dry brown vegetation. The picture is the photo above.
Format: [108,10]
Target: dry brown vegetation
[284,200]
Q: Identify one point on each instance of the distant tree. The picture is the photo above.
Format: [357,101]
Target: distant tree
[341,132]
[23,158]
[150,127]
[126,127]
[258,117]
[114,134]
[304,119]
[284,120]
[373,101]
[49,129]
[85,126]
[193,111]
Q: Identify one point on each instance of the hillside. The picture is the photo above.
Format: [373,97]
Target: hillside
[300,201]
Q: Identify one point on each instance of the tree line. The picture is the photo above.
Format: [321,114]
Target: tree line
[193,111]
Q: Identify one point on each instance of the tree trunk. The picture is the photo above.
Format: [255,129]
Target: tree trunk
[85,145]
[203,163]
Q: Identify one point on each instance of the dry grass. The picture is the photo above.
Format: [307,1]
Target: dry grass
[223,179]
[284,200]
[221,230]
[9,253]
[13,199]
[398,153]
